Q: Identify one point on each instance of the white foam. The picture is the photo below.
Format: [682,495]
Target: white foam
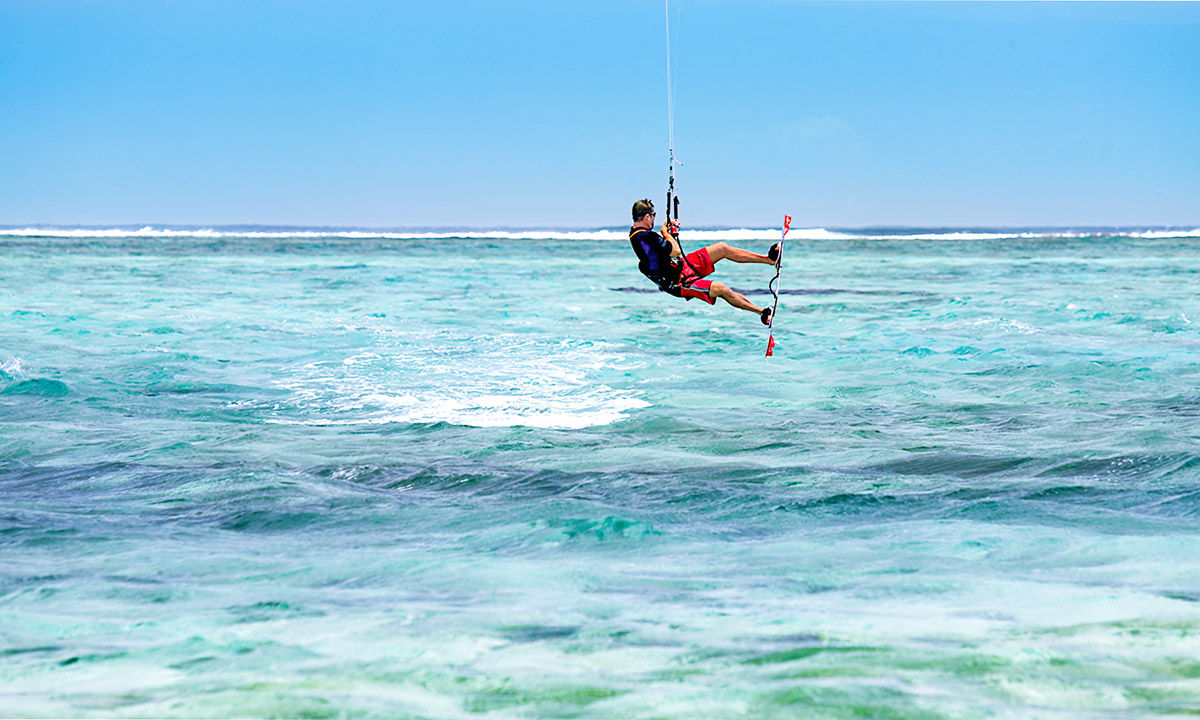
[1029,234]
[10,365]
[1164,234]
[533,234]
[503,381]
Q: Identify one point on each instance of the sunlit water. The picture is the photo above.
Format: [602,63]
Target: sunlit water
[281,474]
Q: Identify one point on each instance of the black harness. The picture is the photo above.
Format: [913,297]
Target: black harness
[667,277]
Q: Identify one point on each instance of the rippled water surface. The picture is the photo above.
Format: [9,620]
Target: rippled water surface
[289,475]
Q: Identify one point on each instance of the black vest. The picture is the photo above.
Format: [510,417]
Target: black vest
[654,258]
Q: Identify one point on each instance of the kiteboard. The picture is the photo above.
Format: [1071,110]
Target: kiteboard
[774,286]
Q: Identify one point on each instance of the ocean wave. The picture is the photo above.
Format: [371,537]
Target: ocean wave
[314,233]
[40,387]
[690,236]
[731,234]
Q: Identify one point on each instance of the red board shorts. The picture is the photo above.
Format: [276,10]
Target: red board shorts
[697,266]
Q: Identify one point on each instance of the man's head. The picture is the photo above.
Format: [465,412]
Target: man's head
[642,208]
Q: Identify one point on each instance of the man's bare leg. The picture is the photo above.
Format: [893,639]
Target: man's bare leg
[733,297]
[723,251]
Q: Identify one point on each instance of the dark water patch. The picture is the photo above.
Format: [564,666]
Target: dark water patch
[39,650]
[186,388]
[1184,595]
[608,528]
[92,658]
[474,478]
[67,481]
[10,522]
[270,610]
[39,387]
[804,639]
[798,291]
[949,463]
[58,531]
[133,580]
[270,520]
[806,651]
[636,290]
[1074,493]
[537,633]
[197,662]
[840,505]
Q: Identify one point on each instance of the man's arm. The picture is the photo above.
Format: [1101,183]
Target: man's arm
[669,228]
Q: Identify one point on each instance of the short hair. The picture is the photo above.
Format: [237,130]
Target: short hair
[642,208]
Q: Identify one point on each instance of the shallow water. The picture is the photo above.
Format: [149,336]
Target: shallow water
[284,474]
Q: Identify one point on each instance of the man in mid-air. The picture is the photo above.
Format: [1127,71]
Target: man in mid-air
[661,259]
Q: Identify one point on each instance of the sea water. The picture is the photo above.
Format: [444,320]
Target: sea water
[280,473]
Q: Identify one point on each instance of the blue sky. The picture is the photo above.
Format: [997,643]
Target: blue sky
[539,114]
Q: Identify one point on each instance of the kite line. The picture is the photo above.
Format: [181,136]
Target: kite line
[672,196]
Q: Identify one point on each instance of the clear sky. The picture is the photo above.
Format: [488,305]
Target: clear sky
[541,114]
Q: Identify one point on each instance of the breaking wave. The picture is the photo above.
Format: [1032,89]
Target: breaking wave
[704,234]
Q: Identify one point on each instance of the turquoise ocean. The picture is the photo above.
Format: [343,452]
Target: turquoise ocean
[274,472]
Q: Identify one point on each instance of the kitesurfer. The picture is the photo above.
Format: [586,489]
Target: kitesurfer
[661,259]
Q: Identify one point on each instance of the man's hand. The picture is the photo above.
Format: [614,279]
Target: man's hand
[669,229]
